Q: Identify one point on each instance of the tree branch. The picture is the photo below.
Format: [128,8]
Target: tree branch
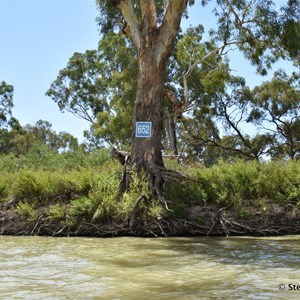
[235,128]
[214,143]
[179,107]
[170,26]
[149,11]
[132,24]
[238,23]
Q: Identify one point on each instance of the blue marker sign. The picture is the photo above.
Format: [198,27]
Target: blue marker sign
[143,129]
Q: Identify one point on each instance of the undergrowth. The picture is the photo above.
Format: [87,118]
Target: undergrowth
[92,194]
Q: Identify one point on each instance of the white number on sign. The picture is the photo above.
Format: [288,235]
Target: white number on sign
[144,129]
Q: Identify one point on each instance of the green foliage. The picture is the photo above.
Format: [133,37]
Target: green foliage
[276,104]
[79,88]
[21,140]
[138,187]
[189,193]
[43,187]
[238,185]
[106,196]
[57,212]
[40,157]
[30,186]
[3,191]
[99,86]
[252,181]
[27,211]
[6,102]
[93,195]
[264,33]
[85,206]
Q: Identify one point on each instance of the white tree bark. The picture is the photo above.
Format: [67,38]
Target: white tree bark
[167,31]
[132,26]
[169,27]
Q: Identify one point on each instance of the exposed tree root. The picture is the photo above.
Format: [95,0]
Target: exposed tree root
[207,221]
[198,219]
[158,178]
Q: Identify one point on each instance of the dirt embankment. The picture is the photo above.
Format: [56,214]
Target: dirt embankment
[207,220]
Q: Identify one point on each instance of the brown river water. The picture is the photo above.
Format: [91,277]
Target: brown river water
[142,268]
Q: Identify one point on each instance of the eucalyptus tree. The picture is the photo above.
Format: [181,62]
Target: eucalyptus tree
[6,102]
[151,29]
[276,109]
[255,27]
[19,140]
[99,87]
[6,105]
[78,88]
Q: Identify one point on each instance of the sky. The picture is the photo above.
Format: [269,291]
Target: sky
[39,36]
[37,39]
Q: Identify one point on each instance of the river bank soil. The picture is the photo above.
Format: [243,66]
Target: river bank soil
[208,220]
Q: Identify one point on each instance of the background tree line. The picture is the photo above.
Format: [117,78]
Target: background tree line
[209,113]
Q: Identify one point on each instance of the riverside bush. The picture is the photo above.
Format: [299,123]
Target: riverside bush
[240,181]
[106,195]
[3,192]
[93,193]
[27,211]
[30,186]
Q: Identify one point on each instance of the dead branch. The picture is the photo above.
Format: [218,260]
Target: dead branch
[135,209]
[122,156]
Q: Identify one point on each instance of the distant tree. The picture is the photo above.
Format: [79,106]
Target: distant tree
[260,29]
[99,86]
[79,88]
[227,106]
[6,102]
[19,140]
[276,109]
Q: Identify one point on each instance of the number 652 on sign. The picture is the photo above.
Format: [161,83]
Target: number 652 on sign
[143,129]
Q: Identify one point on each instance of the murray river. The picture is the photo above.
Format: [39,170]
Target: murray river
[141,268]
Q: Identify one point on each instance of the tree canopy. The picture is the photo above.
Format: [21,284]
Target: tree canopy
[205,107]
[6,102]
[200,92]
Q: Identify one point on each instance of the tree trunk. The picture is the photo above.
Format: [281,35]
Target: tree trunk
[154,43]
[149,107]
[171,133]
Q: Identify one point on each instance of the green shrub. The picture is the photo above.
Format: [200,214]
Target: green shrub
[27,211]
[85,206]
[77,182]
[235,183]
[107,193]
[3,191]
[30,185]
[40,157]
[57,212]
[93,193]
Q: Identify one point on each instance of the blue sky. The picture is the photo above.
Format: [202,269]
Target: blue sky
[37,39]
[39,36]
